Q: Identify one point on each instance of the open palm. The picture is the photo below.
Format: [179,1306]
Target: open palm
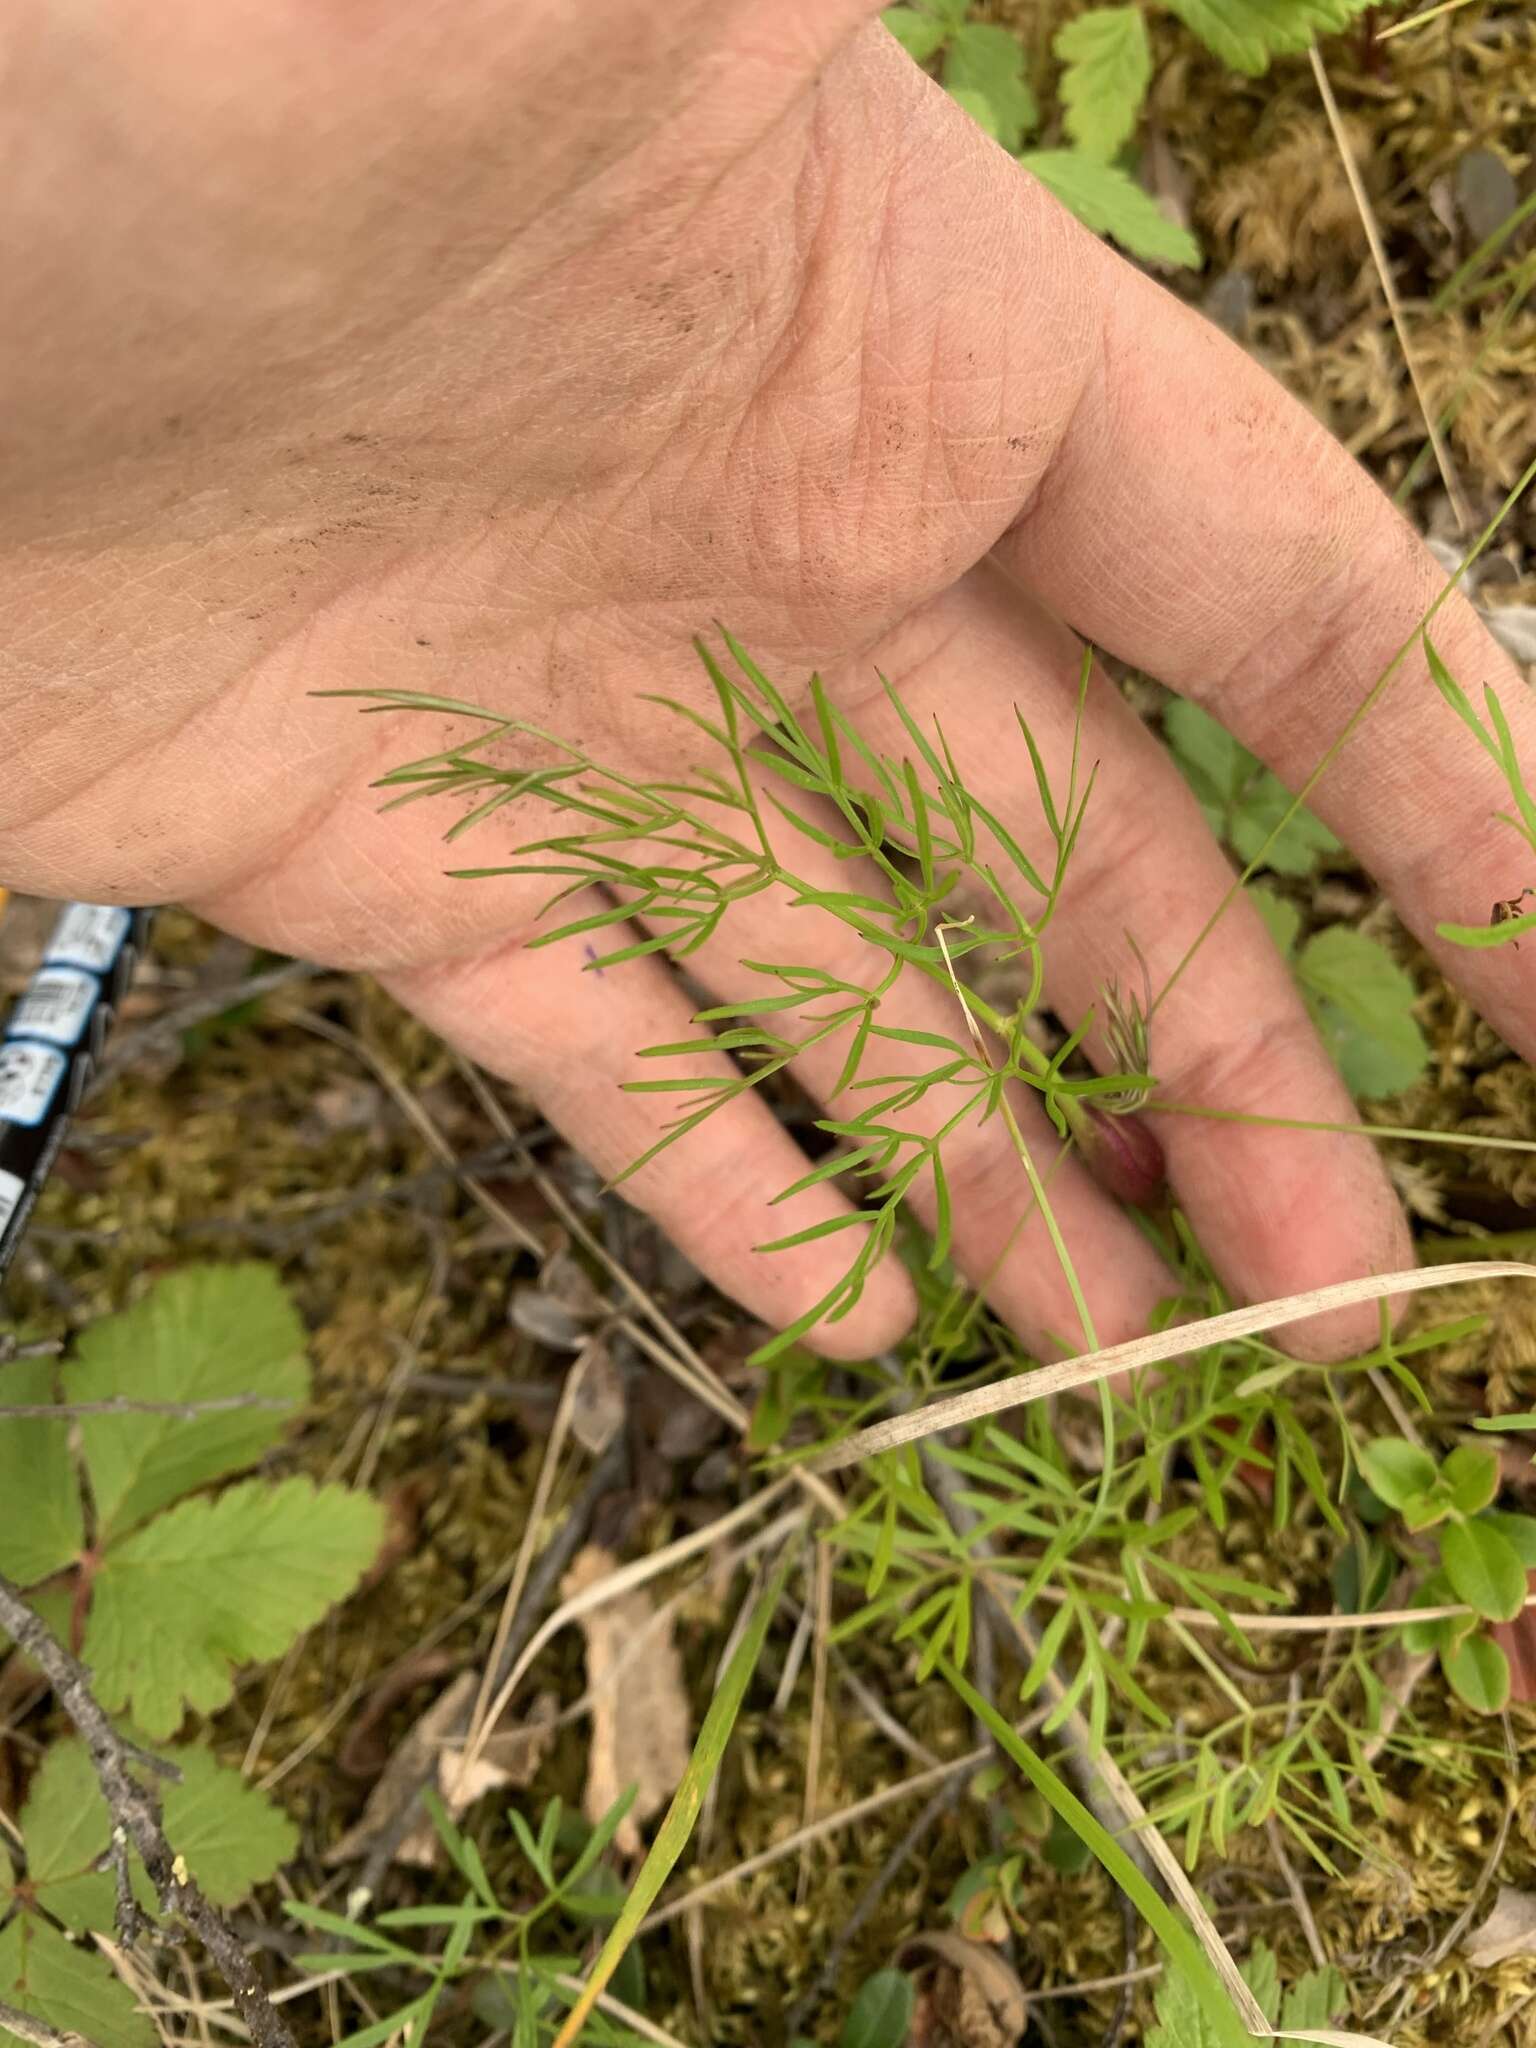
[494,353]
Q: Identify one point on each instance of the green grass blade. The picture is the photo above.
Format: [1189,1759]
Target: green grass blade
[1182,1949]
[687,1802]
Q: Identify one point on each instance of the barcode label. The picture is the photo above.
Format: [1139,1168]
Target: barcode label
[55,1005]
[29,1079]
[11,1191]
[89,935]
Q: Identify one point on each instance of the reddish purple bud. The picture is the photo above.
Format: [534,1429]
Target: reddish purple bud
[1124,1156]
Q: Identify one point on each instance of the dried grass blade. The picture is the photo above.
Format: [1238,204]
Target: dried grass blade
[1089,1368]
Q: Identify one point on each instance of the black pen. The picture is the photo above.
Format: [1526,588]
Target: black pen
[51,1045]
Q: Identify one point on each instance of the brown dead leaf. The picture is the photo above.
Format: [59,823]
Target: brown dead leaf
[975,1991]
[365,1751]
[597,1412]
[1509,1930]
[640,1720]
[560,1308]
[1517,1639]
[510,1757]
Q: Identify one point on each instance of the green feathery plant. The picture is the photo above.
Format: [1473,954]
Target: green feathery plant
[681,855]
[1103,1557]
[1115,1570]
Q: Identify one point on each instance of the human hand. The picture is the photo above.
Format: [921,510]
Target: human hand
[492,355]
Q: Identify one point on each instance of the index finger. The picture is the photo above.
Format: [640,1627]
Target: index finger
[1197,521]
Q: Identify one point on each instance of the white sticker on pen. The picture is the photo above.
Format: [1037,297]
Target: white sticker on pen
[29,1079]
[55,1005]
[89,935]
[12,1188]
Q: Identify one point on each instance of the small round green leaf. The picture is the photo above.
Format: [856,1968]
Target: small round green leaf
[1472,1477]
[1484,1569]
[1478,1671]
[881,2013]
[1520,1530]
[1396,1470]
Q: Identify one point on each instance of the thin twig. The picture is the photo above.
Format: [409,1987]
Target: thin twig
[136,1811]
[25,2028]
[829,1824]
[673,1352]
[821,1633]
[119,1404]
[849,1929]
[12,1348]
[197,1009]
[1442,453]
[1298,1895]
[412,1108]
[480,1722]
[1402,28]
[542,1579]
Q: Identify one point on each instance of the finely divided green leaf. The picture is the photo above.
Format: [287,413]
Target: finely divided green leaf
[1108,64]
[1362,1003]
[205,1333]
[1110,201]
[41,1529]
[215,1583]
[987,60]
[71,1988]
[1247,33]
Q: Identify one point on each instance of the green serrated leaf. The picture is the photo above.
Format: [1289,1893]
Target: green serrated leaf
[1315,2000]
[206,1333]
[1261,1973]
[1396,1470]
[41,1529]
[1484,1569]
[1247,33]
[72,1989]
[979,107]
[64,1829]
[1108,64]
[881,2012]
[215,1583]
[232,1837]
[919,33]
[988,60]
[1243,802]
[1478,1672]
[1362,1004]
[1110,201]
[1281,917]
[1180,2019]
